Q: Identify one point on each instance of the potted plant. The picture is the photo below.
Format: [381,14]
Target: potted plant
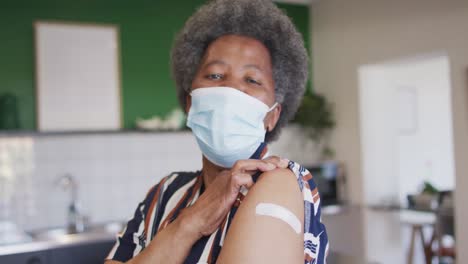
[315,116]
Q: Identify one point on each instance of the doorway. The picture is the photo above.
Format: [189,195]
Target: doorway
[407,140]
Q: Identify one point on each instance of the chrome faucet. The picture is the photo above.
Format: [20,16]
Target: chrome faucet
[76,220]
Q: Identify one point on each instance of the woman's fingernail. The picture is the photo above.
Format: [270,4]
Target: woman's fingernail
[271,166]
[284,163]
[243,190]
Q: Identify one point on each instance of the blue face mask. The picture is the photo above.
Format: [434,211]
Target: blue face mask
[227,123]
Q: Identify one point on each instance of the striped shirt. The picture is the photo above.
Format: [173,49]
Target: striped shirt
[165,200]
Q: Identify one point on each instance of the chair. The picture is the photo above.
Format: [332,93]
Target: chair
[441,219]
[444,226]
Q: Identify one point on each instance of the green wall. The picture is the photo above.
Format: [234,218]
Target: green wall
[147,29]
[300,16]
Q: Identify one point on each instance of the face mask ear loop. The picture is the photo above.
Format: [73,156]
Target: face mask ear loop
[273,107]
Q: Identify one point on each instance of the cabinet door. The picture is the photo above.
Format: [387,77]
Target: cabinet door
[86,253]
[40,257]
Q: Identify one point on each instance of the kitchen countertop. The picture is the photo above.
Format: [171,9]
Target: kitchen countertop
[77,239]
[59,242]
[96,237]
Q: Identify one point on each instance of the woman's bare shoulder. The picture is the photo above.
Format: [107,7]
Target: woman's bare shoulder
[268,226]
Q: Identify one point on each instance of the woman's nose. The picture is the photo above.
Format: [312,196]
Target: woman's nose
[235,83]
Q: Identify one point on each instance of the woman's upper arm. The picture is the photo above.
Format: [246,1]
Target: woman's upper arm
[268,226]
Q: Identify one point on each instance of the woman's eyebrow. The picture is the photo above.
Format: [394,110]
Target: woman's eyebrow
[253,66]
[214,62]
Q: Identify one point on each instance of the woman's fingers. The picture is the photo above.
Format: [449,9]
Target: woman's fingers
[242,179]
[226,187]
[242,171]
[252,165]
[278,162]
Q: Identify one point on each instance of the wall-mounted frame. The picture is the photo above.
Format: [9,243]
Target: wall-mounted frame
[78,82]
[407,109]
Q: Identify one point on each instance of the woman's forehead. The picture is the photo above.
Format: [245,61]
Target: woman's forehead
[239,50]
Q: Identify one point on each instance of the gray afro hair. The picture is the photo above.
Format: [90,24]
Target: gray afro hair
[259,19]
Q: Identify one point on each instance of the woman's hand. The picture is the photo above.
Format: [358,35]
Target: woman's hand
[173,243]
[207,213]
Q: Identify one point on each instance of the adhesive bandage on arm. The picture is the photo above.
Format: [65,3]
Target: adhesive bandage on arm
[279,212]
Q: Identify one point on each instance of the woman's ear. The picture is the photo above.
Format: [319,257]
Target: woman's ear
[272,118]
[188,103]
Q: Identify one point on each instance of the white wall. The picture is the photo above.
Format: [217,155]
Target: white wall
[295,145]
[378,135]
[346,34]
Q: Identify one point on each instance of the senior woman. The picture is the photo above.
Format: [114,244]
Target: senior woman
[240,68]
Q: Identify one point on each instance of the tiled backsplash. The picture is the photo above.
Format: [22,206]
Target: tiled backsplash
[114,171]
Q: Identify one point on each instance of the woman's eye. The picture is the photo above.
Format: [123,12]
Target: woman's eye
[253,81]
[215,76]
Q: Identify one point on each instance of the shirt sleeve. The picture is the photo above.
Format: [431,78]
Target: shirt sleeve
[132,240]
[315,235]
